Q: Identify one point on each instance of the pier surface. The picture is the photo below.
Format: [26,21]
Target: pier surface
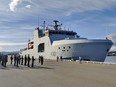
[59,74]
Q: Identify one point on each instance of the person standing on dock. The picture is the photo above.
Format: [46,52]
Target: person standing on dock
[28,61]
[11,59]
[15,60]
[18,60]
[5,60]
[39,59]
[42,59]
[0,58]
[80,60]
[1,55]
[61,58]
[25,63]
[57,58]
[19,57]
[32,65]
[22,60]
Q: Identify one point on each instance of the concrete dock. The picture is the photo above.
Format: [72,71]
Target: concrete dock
[59,74]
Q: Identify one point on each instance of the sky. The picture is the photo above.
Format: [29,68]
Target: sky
[93,19]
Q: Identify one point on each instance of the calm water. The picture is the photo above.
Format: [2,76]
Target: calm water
[110,59]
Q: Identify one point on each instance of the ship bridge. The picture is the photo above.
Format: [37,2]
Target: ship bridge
[55,32]
[61,34]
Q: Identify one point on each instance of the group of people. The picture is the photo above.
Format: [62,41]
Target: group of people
[59,58]
[26,60]
[3,60]
[17,60]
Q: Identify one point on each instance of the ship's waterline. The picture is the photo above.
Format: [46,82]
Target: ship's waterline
[55,42]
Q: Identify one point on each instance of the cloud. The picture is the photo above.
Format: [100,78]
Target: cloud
[28,6]
[14,4]
[74,6]
[112,25]
[67,7]
[11,44]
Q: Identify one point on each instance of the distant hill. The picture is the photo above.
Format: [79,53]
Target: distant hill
[6,53]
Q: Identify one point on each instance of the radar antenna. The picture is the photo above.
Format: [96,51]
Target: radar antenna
[56,25]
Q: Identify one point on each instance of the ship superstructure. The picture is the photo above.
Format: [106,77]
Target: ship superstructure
[55,42]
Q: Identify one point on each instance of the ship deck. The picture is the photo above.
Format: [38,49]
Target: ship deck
[59,74]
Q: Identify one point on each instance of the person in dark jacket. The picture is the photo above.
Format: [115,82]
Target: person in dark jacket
[57,58]
[61,58]
[32,65]
[15,60]
[18,60]
[11,59]
[19,57]
[4,60]
[22,60]
[0,59]
[25,63]
[39,59]
[28,61]
[42,60]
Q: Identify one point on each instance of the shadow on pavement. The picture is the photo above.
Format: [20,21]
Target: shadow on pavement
[41,67]
[24,67]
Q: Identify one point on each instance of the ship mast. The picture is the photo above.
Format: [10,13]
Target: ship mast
[44,25]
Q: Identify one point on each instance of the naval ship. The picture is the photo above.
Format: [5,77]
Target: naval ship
[53,42]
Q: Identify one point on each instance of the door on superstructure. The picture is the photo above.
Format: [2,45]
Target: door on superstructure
[41,47]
